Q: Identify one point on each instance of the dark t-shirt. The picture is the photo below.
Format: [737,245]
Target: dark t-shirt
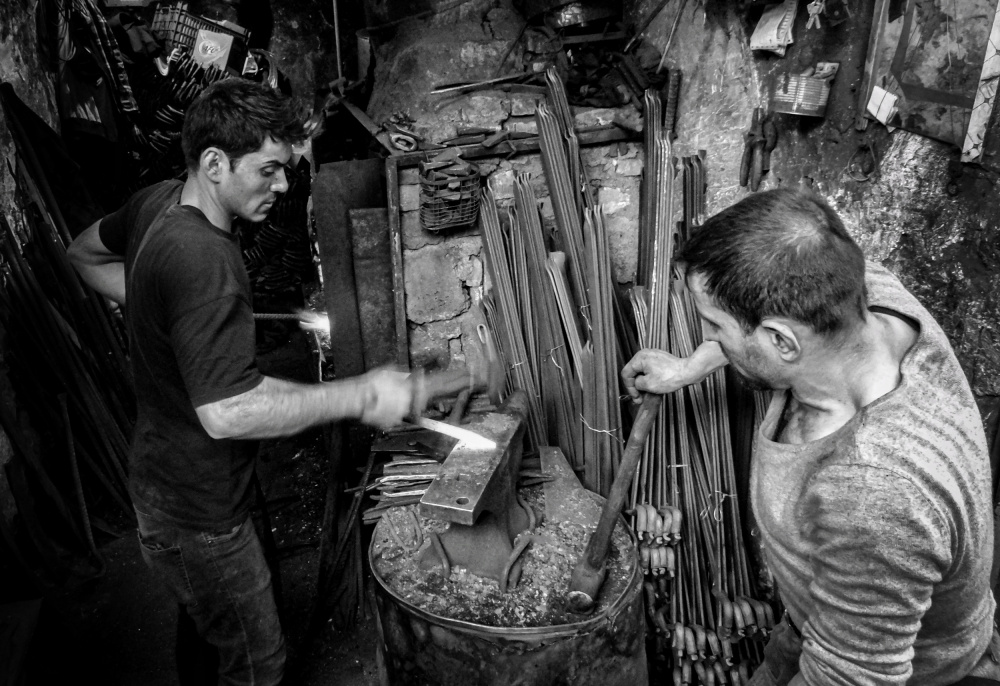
[191,334]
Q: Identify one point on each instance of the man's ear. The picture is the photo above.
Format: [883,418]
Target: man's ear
[213,163]
[783,338]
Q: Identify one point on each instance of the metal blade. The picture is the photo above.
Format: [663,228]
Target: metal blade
[469,438]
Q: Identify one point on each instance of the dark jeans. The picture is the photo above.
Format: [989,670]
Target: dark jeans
[222,583]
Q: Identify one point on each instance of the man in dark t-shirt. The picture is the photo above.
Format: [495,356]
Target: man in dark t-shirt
[170,256]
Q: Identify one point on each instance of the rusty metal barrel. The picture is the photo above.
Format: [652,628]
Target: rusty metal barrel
[423,649]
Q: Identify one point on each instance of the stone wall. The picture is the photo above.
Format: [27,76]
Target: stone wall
[443,270]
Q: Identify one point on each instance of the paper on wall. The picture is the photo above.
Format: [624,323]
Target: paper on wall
[774,30]
[882,104]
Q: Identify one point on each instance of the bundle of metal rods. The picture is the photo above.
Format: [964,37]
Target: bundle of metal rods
[553,305]
[69,373]
[505,263]
[699,594]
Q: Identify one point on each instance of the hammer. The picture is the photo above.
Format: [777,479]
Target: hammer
[588,575]
[463,381]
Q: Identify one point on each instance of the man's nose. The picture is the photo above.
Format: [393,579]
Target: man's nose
[280,182]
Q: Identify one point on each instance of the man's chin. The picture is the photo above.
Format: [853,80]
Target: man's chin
[254,217]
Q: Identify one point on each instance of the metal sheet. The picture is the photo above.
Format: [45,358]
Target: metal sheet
[339,187]
[373,281]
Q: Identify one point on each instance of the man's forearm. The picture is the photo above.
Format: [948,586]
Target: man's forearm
[281,408]
[101,269]
[707,359]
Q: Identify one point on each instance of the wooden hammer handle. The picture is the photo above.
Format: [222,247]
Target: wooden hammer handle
[596,553]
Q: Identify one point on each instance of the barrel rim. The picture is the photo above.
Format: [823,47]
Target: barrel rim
[609,615]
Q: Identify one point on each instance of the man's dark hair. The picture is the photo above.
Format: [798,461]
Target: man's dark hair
[780,253]
[238,116]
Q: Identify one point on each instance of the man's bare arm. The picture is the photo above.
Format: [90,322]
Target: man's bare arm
[657,371]
[282,408]
[101,269]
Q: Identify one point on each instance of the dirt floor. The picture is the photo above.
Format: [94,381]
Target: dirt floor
[119,629]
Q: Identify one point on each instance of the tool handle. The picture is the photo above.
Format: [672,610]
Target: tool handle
[446,383]
[757,173]
[745,164]
[589,570]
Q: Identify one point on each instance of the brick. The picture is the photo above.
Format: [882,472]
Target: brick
[409,197]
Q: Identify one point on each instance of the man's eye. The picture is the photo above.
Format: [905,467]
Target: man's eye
[267,172]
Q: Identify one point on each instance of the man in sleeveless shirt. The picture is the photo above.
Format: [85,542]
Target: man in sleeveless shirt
[170,256]
[870,479]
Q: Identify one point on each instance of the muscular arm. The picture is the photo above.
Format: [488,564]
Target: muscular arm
[657,371]
[281,408]
[101,269]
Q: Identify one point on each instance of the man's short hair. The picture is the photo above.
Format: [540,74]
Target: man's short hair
[238,116]
[782,253]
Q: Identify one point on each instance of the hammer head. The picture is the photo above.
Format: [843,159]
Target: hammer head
[586,583]
[454,380]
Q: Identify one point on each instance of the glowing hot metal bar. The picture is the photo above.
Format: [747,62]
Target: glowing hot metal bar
[469,438]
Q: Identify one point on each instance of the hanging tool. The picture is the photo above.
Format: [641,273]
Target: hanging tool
[752,164]
[588,574]
[770,130]
[815,8]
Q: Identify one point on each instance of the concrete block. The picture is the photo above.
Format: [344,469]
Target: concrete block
[409,176]
[593,116]
[430,344]
[623,242]
[545,208]
[433,290]
[528,164]
[523,105]
[613,200]
[627,167]
[487,111]
[409,197]
[414,235]
[502,184]
[436,277]
[524,125]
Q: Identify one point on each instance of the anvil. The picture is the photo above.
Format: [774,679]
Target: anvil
[476,491]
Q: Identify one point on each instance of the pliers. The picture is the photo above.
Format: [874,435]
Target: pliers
[758,142]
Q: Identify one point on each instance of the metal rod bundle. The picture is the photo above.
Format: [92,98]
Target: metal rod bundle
[503,312]
[700,597]
[561,395]
[603,343]
[65,368]
[555,306]
[564,191]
